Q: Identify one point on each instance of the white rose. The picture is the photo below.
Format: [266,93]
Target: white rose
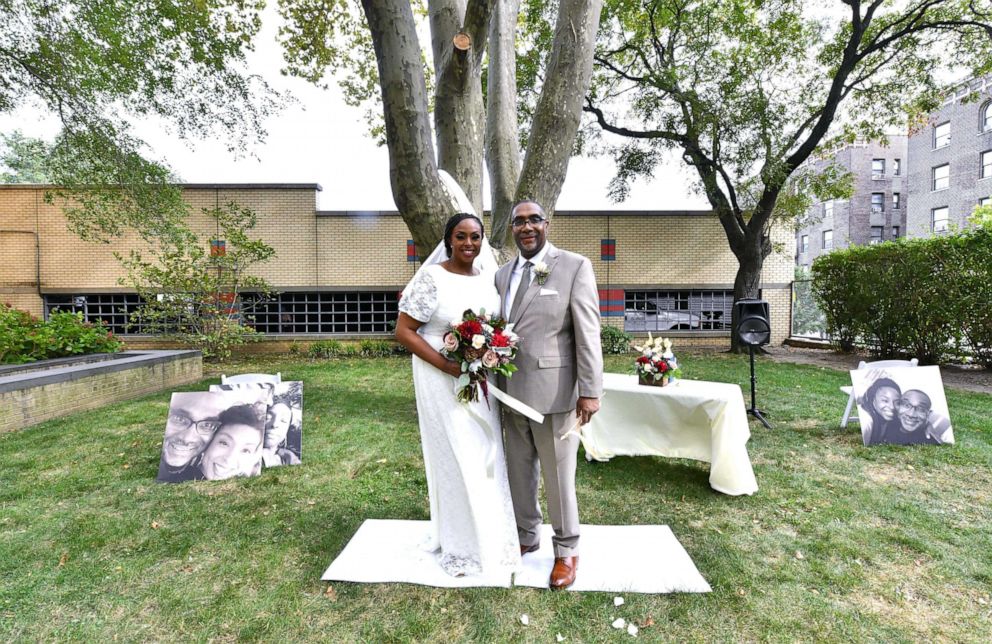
[478,340]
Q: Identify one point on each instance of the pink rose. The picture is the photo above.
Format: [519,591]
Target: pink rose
[490,359]
[450,342]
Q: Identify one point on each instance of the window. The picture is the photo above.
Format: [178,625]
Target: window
[677,310]
[896,197]
[987,117]
[804,244]
[878,202]
[876,235]
[878,168]
[895,232]
[325,312]
[113,309]
[828,209]
[941,177]
[985,201]
[938,219]
[896,167]
[828,239]
[942,135]
[986,170]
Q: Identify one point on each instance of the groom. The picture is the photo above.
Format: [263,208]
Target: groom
[550,296]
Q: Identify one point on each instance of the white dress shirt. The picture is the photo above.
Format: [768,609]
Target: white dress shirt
[518,271]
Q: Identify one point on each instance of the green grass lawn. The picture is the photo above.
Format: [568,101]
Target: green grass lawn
[841,543]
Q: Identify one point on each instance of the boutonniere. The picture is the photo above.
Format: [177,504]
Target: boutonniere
[541,272]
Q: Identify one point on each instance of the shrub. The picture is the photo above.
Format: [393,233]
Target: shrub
[376,348]
[324,349]
[919,297]
[615,341]
[24,338]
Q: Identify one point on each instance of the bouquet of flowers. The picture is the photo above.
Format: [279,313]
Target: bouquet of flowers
[483,343]
[657,364]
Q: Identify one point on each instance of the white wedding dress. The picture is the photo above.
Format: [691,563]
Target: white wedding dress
[472,525]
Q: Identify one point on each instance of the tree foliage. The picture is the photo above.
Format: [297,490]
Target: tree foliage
[95,63]
[23,158]
[194,295]
[748,90]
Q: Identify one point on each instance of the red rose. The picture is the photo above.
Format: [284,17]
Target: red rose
[643,360]
[661,366]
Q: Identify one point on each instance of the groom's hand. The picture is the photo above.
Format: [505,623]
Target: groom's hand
[585,408]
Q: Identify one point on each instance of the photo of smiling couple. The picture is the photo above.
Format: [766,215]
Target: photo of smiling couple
[485,519]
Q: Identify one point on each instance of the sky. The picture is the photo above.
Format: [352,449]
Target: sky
[321,140]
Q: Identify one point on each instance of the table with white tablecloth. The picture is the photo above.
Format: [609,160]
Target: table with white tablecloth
[703,421]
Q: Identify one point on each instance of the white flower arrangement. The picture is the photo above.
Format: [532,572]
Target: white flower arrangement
[541,272]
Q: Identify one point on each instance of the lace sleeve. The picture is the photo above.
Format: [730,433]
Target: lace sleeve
[419,300]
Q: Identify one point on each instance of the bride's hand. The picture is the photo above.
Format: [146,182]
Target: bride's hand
[452,368]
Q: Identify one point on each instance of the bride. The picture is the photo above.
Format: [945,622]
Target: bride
[472,524]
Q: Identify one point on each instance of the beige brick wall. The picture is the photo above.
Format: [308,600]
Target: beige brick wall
[318,250]
[29,406]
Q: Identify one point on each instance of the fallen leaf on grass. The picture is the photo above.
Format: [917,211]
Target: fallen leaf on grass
[155,525]
[648,623]
[127,466]
[331,594]
[63,559]
[799,555]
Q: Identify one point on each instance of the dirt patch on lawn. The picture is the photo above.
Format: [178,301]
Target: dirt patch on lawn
[967,378]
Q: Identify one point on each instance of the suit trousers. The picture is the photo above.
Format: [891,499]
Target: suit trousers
[532,449]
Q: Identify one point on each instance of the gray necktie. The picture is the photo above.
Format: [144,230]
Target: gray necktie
[521,288]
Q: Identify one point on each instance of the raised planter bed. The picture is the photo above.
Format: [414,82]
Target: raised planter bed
[32,393]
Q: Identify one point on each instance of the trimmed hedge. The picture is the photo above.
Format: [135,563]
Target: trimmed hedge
[929,298]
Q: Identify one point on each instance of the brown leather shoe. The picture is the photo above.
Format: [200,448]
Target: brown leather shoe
[563,574]
[525,549]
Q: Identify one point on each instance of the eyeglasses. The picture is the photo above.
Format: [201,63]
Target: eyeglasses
[533,220]
[919,409]
[205,427]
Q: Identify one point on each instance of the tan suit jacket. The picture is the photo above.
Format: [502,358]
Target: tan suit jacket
[559,356]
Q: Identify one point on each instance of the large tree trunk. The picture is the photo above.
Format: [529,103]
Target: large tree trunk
[751,250]
[459,35]
[559,108]
[413,175]
[502,140]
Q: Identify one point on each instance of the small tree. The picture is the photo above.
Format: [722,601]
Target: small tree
[193,294]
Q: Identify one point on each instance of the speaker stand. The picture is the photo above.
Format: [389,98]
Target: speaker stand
[754,411]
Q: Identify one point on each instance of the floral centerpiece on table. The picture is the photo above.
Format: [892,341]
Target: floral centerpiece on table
[483,344]
[657,364]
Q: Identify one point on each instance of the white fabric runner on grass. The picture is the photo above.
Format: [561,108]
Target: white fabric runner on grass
[638,559]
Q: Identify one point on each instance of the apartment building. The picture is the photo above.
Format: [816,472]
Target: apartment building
[950,161]
[876,210]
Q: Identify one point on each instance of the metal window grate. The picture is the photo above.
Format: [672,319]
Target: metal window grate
[325,312]
[678,310]
[113,309]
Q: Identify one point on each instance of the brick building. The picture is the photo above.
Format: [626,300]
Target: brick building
[950,160]
[339,273]
[876,210]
